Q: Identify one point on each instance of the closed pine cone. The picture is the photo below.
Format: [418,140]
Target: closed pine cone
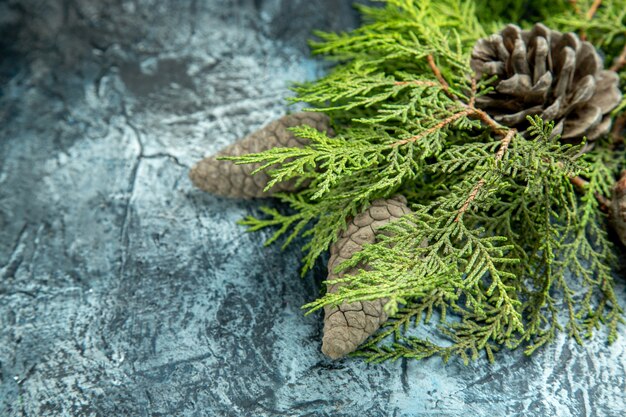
[348,325]
[228,179]
[547,73]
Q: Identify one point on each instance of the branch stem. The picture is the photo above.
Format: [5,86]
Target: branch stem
[620,61]
[504,145]
[616,132]
[593,9]
[417,82]
[442,81]
[581,184]
[435,128]
[472,102]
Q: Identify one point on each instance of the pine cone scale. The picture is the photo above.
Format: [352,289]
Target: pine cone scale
[540,55]
[588,118]
[566,73]
[588,61]
[606,94]
[518,61]
[585,90]
[602,127]
[515,118]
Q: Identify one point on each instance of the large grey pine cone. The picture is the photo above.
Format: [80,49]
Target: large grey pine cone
[228,179]
[547,73]
[348,325]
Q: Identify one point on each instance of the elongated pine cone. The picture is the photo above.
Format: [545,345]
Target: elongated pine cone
[547,73]
[227,179]
[618,208]
[348,325]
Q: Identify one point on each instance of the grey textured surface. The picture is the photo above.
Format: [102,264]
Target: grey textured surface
[124,291]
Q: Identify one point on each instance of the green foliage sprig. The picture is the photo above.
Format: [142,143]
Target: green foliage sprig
[508,227]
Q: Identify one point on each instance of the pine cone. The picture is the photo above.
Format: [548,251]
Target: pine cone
[618,208]
[347,326]
[227,179]
[547,73]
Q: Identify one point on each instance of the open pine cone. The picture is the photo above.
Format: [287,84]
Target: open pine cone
[547,73]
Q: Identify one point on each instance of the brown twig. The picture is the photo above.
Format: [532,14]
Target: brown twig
[417,82]
[620,61]
[472,102]
[488,120]
[442,81]
[436,127]
[593,9]
[617,136]
[469,112]
[581,184]
[504,145]
[470,198]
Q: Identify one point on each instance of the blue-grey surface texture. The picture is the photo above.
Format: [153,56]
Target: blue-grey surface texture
[124,291]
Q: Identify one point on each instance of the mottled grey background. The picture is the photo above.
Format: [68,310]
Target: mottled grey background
[124,291]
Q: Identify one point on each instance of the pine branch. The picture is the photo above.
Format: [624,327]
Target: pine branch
[507,245]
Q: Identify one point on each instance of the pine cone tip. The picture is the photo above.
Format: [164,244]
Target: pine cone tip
[336,346]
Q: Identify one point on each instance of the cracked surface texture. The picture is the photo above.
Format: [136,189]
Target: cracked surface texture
[348,325]
[126,291]
[228,179]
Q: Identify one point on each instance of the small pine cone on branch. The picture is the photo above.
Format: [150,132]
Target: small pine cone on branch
[618,208]
[228,179]
[348,325]
[547,73]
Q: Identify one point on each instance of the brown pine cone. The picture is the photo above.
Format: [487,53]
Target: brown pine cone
[618,208]
[547,73]
[227,179]
[347,326]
